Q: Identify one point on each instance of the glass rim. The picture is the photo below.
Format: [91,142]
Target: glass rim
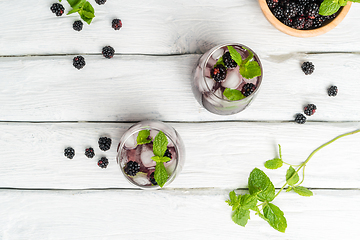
[212,52]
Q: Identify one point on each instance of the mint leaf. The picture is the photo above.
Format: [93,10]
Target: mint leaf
[143,137]
[74,10]
[273,163]
[74,2]
[87,12]
[160,159]
[241,216]
[160,174]
[235,55]
[250,70]
[234,200]
[291,173]
[303,191]
[328,7]
[275,217]
[233,94]
[248,201]
[344,2]
[160,144]
[220,62]
[251,55]
[260,185]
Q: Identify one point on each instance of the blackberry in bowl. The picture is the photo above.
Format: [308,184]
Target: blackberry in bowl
[301,18]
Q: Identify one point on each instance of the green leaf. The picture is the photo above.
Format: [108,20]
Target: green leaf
[235,55]
[344,2]
[275,217]
[260,185]
[289,189]
[160,174]
[143,137]
[250,70]
[233,94]
[251,55]
[241,216]
[248,201]
[219,62]
[303,191]
[234,200]
[74,10]
[274,163]
[160,144]
[74,2]
[88,8]
[160,159]
[291,173]
[329,7]
[88,14]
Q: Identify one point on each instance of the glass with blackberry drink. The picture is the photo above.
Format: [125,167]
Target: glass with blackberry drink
[150,154]
[227,78]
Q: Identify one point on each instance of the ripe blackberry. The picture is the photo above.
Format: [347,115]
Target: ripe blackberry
[116,24]
[218,73]
[318,22]
[108,52]
[312,10]
[69,152]
[288,22]
[58,9]
[100,2]
[152,178]
[303,2]
[272,3]
[248,89]
[332,91]
[299,23]
[103,162]
[308,23]
[78,25]
[104,143]
[308,68]
[290,10]
[132,168]
[309,109]
[300,118]
[89,152]
[79,62]
[167,153]
[228,61]
[283,3]
[300,9]
[278,12]
[332,16]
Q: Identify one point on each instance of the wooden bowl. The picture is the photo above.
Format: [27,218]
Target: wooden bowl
[304,33]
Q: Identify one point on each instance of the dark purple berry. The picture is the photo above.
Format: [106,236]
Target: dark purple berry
[300,118]
[132,168]
[116,24]
[228,61]
[89,152]
[103,162]
[248,89]
[108,52]
[309,109]
[167,153]
[79,62]
[332,91]
[78,25]
[218,73]
[104,143]
[152,178]
[69,152]
[308,68]
[58,9]
[100,2]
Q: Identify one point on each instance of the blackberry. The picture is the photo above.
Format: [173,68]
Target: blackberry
[300,10]
[103,162]
[116,24]
[58,9]
[69,152]
[299,23]
[100,2]
[218,73]
[283,3]
[228,61]
[318,22]
[78,25]
[290,10]
[312,10]
[288,22]
[104,143]
[79,62]
[152,178]
[167,153]
[300,118]
[310,109]
[308,23]
[303,2]
[272,3]
[308,68]
[108,52]
[332,91]
[89,152]
[332,16]
[132,168]
[278,12]
[248,89]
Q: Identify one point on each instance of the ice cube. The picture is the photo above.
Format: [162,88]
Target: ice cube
[131,141]
[153,133]
[209,84]
[141,179]
[170,166]
[233,79]
[217,54]
[145,156]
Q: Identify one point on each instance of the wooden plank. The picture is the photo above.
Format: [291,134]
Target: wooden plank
[132,88]
[169,214]
[219,155]
[159,27]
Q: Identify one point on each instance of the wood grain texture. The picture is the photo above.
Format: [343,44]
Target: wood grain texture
[218,155]
[133,88]
[169,215]
[159,27]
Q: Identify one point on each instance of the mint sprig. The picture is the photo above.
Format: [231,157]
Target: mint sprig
[262,189]
[329,7]
[233,94]
[248,68]
[84,8]
[159,147]
[143,137]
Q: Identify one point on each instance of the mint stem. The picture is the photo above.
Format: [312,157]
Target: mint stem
[312,154]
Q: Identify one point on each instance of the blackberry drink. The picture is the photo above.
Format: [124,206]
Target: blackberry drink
[227,78]
[150,154]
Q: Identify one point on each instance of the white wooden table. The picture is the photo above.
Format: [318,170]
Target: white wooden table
[46,105]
